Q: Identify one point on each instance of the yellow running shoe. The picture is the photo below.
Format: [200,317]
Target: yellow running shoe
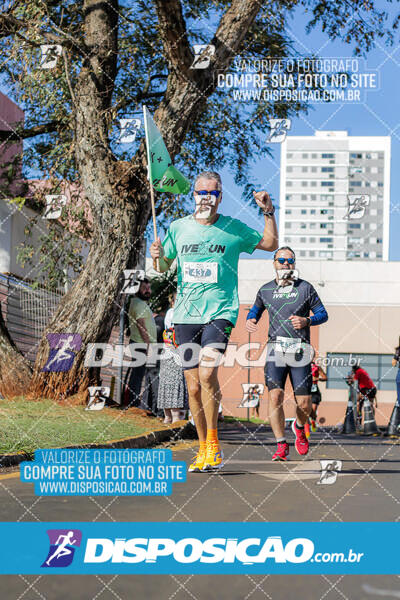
[214,457]
[198,463]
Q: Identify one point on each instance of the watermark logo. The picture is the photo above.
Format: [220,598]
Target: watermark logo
[329,471]
[54,206]
[251,395]
[49,55]
[132,279]
[97,397]
[63,349]
[63,543]
[128,130]
[298,80]
[278,130]
[202,55]
[356,206]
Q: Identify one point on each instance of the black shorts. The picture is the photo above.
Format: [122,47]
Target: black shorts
[214,334]
[367,393]
[315,395]
[300,377]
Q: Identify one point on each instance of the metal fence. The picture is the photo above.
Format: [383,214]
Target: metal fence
[27,311]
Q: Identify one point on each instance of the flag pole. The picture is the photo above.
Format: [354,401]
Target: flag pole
[156,262]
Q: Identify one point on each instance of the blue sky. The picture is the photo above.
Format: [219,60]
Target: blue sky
[378,116]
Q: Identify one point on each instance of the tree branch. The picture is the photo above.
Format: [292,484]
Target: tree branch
[10,25]
[22,134]
[173,35]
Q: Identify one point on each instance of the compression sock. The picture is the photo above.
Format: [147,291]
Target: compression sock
[212,435]
[203,446]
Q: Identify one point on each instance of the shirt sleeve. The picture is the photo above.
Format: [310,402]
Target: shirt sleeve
[169,243]
[249,238]
[257,309]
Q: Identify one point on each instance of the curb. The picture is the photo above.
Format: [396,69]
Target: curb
[142,441]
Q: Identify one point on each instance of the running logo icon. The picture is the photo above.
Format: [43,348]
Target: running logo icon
[63,349]
[63,543]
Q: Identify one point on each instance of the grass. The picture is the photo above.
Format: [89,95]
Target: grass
[26,425]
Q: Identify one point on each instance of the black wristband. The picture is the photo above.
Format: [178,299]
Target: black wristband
[269,213]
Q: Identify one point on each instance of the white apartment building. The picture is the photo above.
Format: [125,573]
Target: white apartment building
[320,175]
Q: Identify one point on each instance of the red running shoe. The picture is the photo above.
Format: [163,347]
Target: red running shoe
[301,442]
[282,452]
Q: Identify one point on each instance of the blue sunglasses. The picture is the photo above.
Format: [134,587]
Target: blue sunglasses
[215,193]
[282,260]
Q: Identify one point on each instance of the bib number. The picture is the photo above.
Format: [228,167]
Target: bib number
[284,344]
[200,272]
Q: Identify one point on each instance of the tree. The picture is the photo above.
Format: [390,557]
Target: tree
[114,57]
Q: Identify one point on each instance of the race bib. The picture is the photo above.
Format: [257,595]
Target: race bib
[200,272]
[285,344]
[314,388]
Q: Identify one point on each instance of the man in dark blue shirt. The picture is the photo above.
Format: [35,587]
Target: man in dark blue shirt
[288,301]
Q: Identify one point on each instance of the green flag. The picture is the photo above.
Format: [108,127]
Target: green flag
[162,173]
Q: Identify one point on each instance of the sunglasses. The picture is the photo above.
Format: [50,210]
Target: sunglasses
[282,260]
[215,193]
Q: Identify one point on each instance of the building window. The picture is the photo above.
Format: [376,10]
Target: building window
[302,253]
[289,169]
[288,211]
[303,211]
[304,169]
[355,226]
[304,196]
[326,240]
[302,226]
[327,169]
[326,183]
[304,183]
[327,155]
[288,225]
[312,211]
[313,169]
[378,366]
[290,155]
[302,240]
[313,197]
[314,155]
[289,183]
[304,156]
[312,253]
[312,240]
[355,155]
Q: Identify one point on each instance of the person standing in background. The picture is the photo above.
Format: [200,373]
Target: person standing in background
[172,391]
[396,363]
[143,330]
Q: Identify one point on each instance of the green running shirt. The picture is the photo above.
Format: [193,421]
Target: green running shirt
[207,262]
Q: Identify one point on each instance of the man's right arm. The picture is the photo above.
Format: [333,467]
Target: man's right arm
[164,254]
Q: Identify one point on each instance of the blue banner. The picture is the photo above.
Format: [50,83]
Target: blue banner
[199,548]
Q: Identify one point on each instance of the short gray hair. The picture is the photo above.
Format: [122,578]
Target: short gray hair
[209,175]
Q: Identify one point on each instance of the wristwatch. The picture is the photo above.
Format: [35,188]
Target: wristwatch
[309,320]
[269,213]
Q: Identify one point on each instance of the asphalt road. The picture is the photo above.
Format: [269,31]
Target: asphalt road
[250,488]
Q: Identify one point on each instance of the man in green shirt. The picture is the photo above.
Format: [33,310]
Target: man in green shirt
[207,246]
[142,331]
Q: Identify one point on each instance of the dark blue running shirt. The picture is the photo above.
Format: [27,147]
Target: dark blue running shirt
[281,303]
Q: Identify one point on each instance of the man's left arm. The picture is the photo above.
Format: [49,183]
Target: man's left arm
[318,317]
[269,240]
